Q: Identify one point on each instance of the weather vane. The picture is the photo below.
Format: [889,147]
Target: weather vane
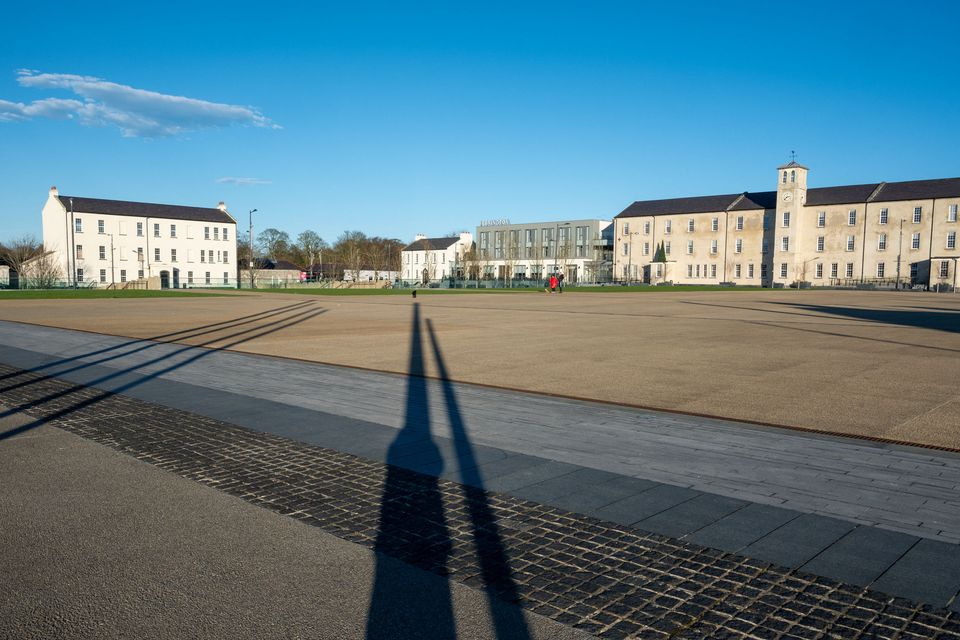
[793,156]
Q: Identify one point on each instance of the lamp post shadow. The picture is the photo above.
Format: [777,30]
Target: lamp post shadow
[414,528]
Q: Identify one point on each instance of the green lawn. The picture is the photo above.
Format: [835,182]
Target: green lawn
[84,294]
[406,292]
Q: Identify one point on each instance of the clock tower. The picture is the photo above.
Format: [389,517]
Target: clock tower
[787,235]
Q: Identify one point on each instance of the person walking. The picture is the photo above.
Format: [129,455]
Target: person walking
[553,282]
[560,282]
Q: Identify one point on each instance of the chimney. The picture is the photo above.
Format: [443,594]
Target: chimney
[222,206]
[419,237]
[53,191]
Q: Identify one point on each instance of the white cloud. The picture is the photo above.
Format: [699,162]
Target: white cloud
[136,112]
[242,181]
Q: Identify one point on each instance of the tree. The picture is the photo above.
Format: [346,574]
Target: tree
[310,246]
[44,271]
[429,260]
[274,243]
[19,252]
[511,254]
[351,251]
[471,263]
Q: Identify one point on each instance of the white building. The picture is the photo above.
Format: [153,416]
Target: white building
[427,259]
[110,242]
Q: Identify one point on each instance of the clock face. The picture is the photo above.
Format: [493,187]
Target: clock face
[787,197]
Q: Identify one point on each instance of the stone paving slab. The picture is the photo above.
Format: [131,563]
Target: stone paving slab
[605,579]
[901,488]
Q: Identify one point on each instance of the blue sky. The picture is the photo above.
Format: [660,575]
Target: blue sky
[428,117]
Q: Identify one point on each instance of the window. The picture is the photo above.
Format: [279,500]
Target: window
[763,270]
[786,218]
[189,277]
[626,249]
[713,247]
[818,271]
[783,269]
[626,229]
[668,226]
[740,223]
[140,274]
[79,275]
[852,217]
[140,229]
[646,248]
[822,219]
[689,247]
[173,231]
[689,270]
[736,270]
[203,256]
[123,275]
[884,213]
[77,225]
[713,271]
[102,252]
[820,241]
[156,230]
[793,175]
[785,243]
[666,248]
[914,270]
[173,255]
[704,270]
[944,268]
[881,269]
[210,256]
[882,242]
[100,226]
[103,275]
[79,252]
[764,246]
[225,258]
[851,243]
[915,241]
[226,278]
[690,224]
[225,233]
[952,240]
[216,233]
[917,214]
[750,270]
[784,177]
[207,278]
[156,254]
[715,224]
[206,233]
[849,271]
[738,246]
[140,255]
[646,226]
[834,270]
[766,222]
[952,213]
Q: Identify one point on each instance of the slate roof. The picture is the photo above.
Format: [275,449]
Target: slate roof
[265,264]
[793,164]
[145,209]
[699,204]
[756,200]
[919,190]
[847,194]
[435,244]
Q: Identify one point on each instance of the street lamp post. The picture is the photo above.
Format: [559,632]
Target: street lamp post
[250,259]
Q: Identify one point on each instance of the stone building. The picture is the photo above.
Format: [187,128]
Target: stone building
[885,234]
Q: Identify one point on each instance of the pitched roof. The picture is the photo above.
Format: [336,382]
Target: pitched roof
[919,190]
[756,200]
[793,164]
[435,244]
[145,209]
[699,204]
[847,194]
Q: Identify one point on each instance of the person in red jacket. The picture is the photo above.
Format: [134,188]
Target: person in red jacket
[553,283]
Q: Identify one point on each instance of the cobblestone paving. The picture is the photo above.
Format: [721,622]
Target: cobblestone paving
[602,578]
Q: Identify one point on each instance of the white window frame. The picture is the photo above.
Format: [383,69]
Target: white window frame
[944,268]
[691,225]
[917,215]
[952,213]
[849,270]
[785,243]
[739,223]
[952,240]
[851,243]
[821,219]
[852,218]
[915,240]
[689,247]
[715,224]
[818,271]
[786,220]
[884,215]
[881,269]
[783,269]
[882,242]
[738,245]
[821,242]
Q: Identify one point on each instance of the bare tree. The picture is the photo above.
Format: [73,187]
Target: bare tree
[274,243]
[511,254]
[44,271]
[429,259]
[19,252]
[471,263]
[309,247]
[351,250]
